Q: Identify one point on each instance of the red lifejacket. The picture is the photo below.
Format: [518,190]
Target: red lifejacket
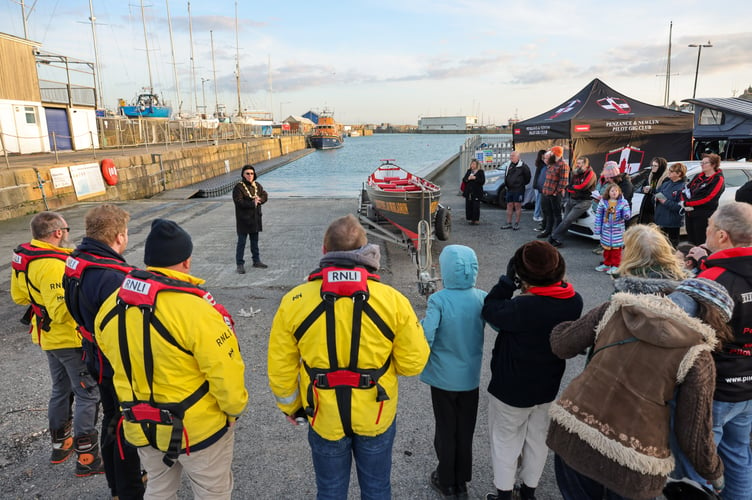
[337,283]
[23,255]
[140,289]
[76,265]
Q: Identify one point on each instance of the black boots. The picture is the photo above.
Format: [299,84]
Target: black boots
[89,459]
[62,444]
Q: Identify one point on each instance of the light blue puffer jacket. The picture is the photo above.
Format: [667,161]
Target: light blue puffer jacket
[453,324]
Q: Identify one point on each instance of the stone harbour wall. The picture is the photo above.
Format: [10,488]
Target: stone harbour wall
[140,175]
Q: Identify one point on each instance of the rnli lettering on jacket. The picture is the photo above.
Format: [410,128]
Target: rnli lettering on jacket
[24,255]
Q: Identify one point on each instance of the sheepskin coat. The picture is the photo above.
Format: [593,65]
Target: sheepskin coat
[612,422]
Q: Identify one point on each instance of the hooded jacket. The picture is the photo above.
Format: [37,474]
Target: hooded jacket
[453,324]
[45,275]
[611,226]
[732,268]
[611,423]
[289,380]
[208,353]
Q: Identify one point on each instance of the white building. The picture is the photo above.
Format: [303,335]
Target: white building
[447,123]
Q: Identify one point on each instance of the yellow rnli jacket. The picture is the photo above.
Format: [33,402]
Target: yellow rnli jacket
[46,275]
[289,380]
[197,327]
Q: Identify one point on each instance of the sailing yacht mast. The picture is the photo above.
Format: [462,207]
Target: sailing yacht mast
[174,66]
[193,61]
[146,43]
[98,75]
[214,73]
[668,66]
[237,60]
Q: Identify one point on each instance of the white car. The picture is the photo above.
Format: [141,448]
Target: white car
[735,174]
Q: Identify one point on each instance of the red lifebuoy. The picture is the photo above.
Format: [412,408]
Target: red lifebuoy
[109,172]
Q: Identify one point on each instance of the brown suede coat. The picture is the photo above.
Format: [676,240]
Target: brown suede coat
[612,422]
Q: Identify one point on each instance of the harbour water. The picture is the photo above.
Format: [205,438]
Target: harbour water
[341,172]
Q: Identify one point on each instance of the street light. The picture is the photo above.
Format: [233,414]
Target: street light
[697,69]
[203,91]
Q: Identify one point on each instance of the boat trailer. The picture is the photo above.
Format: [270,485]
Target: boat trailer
[379,227]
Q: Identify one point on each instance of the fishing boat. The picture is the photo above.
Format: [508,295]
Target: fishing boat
[146,106]
[410,204]
[327,134]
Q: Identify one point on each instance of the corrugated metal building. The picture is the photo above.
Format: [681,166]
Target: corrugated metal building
[42,115]
[447,123]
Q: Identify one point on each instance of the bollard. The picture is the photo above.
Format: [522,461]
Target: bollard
[5,151]
[54,143]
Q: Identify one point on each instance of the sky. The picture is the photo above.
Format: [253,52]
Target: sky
[394,61]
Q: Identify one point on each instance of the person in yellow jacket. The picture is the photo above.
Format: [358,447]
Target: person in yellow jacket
[335,362]
[37,280]
[182,389]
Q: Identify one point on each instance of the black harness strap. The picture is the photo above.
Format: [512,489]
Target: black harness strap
[149,414]
[343,380]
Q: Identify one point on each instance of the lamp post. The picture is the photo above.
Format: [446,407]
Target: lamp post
[697,69]
[203,91]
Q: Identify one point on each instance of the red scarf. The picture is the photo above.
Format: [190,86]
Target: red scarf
[560,290]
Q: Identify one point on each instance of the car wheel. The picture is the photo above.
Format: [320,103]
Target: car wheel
[501,198]
[443,223]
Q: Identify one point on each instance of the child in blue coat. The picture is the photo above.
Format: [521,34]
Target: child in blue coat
[610,223]
[454,330]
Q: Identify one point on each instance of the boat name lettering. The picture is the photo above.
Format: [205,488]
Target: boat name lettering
[391,206]
[339,276]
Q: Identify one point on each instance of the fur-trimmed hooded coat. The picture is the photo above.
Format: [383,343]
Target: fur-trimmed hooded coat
[612,422]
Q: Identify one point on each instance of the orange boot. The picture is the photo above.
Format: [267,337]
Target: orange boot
[62,444]
[89,459]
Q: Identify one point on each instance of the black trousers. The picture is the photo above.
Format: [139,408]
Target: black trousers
[123,475]
[472,209]
[697,223]
[455,413]
[551,206]
[673,235]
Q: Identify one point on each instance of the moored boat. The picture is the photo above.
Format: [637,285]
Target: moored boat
[146,106]
[406,200]
[327,134]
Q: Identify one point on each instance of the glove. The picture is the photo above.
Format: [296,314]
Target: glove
[511,272]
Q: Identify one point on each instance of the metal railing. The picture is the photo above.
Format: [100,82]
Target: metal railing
[491,150]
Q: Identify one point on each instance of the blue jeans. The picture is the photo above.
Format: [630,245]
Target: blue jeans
[240,249]
[575,208]
[538,212]
[732,424]
[70,375]
[575,486]
[332,461]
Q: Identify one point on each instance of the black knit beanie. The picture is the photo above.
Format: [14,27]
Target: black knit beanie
[167,244]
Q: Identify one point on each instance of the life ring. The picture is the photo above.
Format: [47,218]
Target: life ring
[109,172]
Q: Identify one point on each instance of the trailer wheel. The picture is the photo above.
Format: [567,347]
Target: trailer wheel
[443,223]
